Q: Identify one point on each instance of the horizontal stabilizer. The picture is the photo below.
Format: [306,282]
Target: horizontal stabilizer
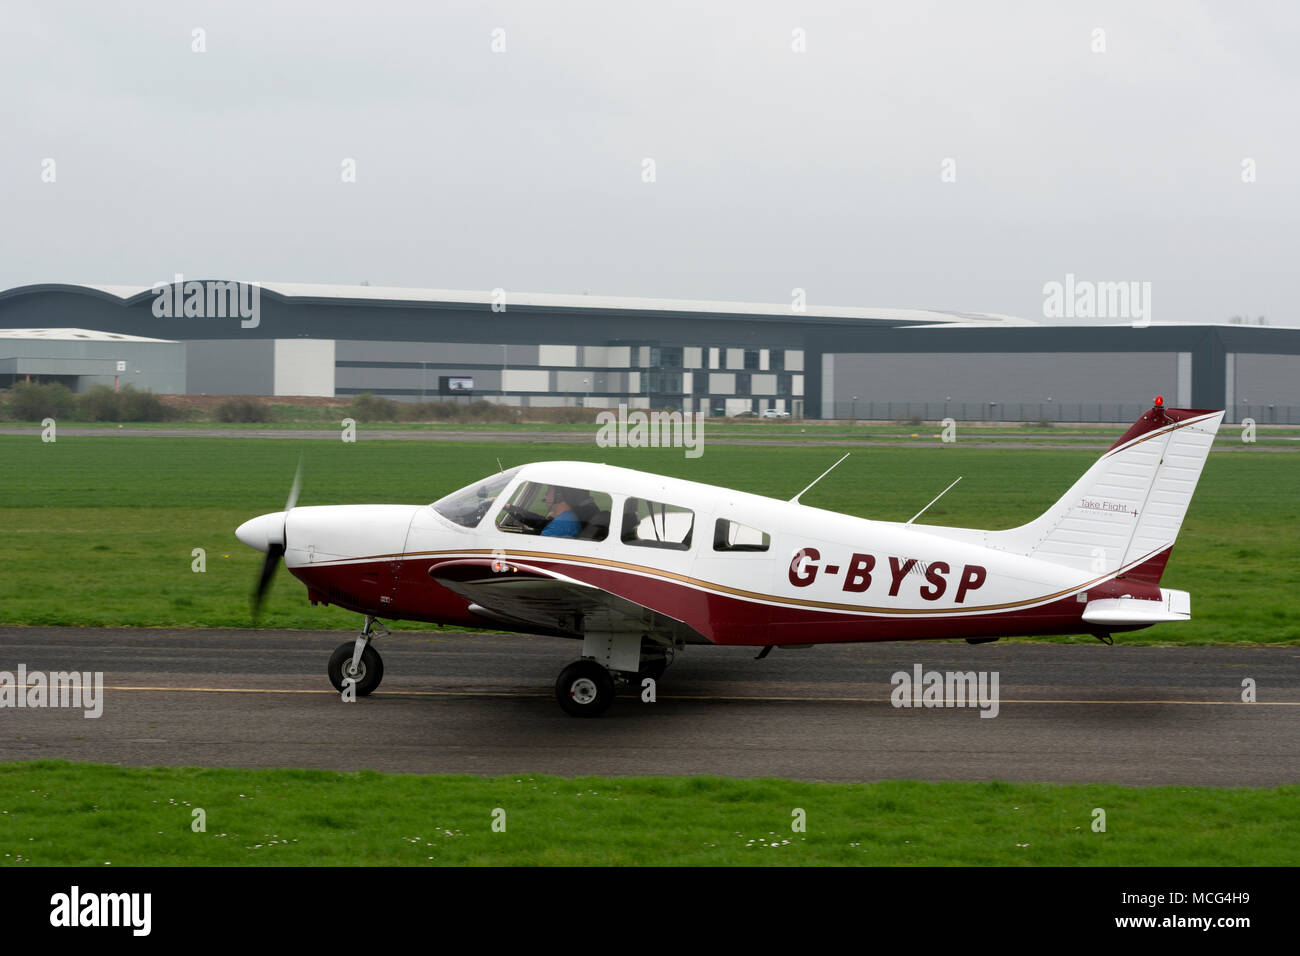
[1110,612]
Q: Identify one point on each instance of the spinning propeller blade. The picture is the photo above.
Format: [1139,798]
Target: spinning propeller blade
[275,549]
[272,560]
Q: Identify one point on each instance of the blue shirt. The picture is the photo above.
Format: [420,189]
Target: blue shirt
[564,525]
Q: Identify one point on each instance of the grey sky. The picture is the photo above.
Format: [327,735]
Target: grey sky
[774,169]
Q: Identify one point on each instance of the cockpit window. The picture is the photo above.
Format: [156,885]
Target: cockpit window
[557,511]
[468,506]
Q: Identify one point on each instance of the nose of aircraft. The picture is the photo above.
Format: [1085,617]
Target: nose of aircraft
[261,532]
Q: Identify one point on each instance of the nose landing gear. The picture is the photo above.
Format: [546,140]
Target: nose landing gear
[358,662]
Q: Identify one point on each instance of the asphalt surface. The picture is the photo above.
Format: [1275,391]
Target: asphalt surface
[484,704]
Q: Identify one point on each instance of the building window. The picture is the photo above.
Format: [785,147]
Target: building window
[665,382]
[666,356]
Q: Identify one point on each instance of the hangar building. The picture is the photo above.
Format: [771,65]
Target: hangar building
[81,358]
[537,350]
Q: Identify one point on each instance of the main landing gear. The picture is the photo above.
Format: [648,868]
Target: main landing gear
[358,662]
[587,687]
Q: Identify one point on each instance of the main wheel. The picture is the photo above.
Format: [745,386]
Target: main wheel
[584,689]
[370,671]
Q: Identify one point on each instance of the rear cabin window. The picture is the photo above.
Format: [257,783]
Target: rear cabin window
[655,524]
[556,511]
[733,536]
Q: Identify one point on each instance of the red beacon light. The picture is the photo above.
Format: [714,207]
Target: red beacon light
[1160,401]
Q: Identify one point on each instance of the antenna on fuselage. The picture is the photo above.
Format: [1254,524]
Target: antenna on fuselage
[936,498]
[795,499]
[499,468]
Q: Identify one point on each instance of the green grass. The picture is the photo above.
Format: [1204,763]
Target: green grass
[303,418]
[66,814]
[99,531]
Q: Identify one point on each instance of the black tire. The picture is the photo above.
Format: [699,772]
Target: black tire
[372,668]
[584,689]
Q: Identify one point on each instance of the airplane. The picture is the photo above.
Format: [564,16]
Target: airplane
[639,566]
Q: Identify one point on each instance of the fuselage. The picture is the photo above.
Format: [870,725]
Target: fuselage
[735,568]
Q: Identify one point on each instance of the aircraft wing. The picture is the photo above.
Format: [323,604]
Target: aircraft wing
[523,596]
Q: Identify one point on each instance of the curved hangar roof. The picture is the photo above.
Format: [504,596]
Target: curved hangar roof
[380,295]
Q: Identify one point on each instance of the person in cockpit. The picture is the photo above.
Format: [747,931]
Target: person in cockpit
[564,521]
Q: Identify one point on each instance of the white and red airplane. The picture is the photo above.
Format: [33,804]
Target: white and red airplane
[637,566]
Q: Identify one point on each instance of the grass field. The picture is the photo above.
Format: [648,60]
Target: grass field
[63,814]
[758,429]
[100,531]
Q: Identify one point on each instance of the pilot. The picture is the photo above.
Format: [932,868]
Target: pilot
[564,521]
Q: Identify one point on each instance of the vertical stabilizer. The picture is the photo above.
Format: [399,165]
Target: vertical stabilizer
[1126,510]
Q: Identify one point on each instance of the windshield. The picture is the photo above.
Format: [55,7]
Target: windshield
[468,506]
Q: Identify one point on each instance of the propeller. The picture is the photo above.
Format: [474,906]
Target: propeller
[275,549]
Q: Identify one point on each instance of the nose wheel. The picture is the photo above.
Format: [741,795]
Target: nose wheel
[357,662]
[367,673]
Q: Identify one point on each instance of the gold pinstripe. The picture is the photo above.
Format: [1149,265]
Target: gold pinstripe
[751,595]
[1159,431]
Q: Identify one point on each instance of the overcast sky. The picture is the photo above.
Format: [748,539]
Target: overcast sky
[773,169]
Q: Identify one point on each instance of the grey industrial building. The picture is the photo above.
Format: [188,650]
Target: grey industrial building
[718,358]
[82,358]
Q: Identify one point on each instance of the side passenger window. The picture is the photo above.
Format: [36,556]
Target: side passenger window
[732,536]
[654,524]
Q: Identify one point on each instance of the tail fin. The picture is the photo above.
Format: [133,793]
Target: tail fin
[1126,510]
